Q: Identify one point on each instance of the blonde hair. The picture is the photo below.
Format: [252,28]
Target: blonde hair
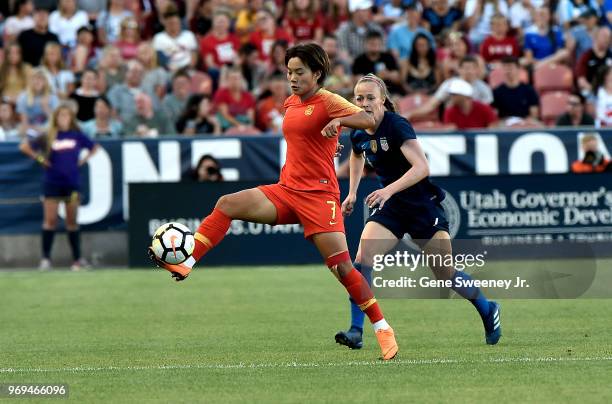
[53,129]
[30,90]
[48,47]
[153,63]
[371,78]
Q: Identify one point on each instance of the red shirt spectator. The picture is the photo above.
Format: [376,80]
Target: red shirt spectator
[303,21]
[219,46]
[267,33]
[235,105]
[499,45]
[466,113]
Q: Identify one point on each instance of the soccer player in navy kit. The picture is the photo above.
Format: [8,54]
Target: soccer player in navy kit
[407,203]
[58,152]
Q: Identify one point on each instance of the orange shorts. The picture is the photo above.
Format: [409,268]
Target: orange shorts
[318,212]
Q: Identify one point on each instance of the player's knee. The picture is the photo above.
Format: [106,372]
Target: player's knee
[226,204]
[344,268]
[340,264]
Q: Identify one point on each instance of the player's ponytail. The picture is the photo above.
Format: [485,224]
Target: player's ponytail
[389,104]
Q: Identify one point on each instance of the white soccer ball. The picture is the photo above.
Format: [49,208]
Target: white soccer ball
[173,243]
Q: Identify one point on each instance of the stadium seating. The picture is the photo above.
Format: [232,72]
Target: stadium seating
[552,105]
[496,76]
[414,101]
[553,77]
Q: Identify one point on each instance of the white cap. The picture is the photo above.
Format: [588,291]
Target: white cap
[354,5]
[460,87]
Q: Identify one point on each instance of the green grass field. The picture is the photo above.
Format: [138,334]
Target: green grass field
[266,335]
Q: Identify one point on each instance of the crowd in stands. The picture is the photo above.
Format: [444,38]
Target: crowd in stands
[162,67]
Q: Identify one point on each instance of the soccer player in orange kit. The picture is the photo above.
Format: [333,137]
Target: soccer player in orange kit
[308,191]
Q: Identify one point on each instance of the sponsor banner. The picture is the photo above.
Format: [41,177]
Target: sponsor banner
[106,177]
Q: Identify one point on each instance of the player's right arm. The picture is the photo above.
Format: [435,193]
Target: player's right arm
[356,164]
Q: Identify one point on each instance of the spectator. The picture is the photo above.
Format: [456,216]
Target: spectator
[352,34]
[568,11]
[594,60]
[519,14]
[270,110]
[459,49]
[103,125]
[276,64]
[544,43]
[235,106]
[60,79]
[575,115]
[129,38]
[330,46]
[146,120]
[466,113]
[9,122]
[109,21]
[86,95]
[155,77]
[304,21]
[266,33]
[198,119]
[219,47]
[246,19]
[174,103]
[401,36]
[339,81]
[584,32]
[421,71]
[390,12]
[379,62]
[36,39]
[252,69]
[111,67]
[499,44]
[84,53]
[36,104]
[594,160]
[20,21]
[201,21]
[178,47]
[478,17]
[122,96]
[336,13]
[514,99]
[59,151]
[66,21]
[207,170]
[93,8]
[441,16]
[604,99]
[14,73]
[468,71]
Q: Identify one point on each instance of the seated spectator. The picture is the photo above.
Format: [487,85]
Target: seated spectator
[36,39]
[465,112]
[198,117]
[441,16]
[102,125]
[20,21]
[177,46]
[304,21]
[156,78]
[174,103]
[14,73]
[220,46]
[207,170]
[235,106]
[330,46]
[66,20]
[246,19]
[513,98]
[459,48]
[252,69]
[584,32]
[575,115]
[594,60]
[86,95]
[146,120]
[520,15]
[270,110]
[478,16]
[61,79]
[604,99]
[122,96]
[390,12]
[339,81]
[421,71]
[544,43]
[499,44]
[266,33]
[129,38]
[402,35]
[352,33]
[336,13]
[111,67]
[36,104]
[200,22]
[377,61]
[468,71]
[276,63]
[84,53]
[9,122]
[568,11]
[594,160]
[109,21]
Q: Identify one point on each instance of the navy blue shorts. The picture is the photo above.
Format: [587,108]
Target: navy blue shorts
[64,193]
[421,222]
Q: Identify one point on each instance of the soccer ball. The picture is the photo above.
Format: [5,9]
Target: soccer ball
[173,243]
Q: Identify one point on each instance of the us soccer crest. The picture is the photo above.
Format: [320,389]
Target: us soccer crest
[383,144]
[309,110]
[373,146]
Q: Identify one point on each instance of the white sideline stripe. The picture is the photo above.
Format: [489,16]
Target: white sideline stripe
[280,365]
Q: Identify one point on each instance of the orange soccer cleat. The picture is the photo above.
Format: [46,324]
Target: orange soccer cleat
[179,271]
[388,345]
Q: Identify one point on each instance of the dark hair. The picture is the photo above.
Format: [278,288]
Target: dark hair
[373,34]
[181,73]
[171,11]
[202,159]
[105,100]
[510,60]
[330,36]
[313,56]
[468,59]
[431,55]
[247,49]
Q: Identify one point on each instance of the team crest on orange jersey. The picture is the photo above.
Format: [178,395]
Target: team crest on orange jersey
[373,146]
[309,110]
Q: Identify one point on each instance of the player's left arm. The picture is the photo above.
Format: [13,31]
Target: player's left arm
[411,149]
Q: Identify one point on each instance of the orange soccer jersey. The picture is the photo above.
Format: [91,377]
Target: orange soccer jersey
[310,156]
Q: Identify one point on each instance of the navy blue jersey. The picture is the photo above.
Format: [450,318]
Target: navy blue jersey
[382,151]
